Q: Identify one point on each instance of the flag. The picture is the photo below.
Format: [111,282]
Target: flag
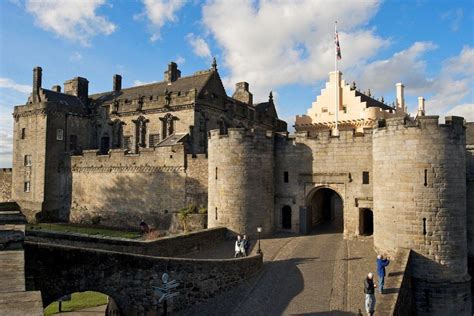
[338,48]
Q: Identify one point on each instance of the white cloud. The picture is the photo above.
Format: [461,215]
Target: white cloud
[199,45]
[180,60]
[10,84]
[406,66]
[75,57]
[75,20]
[464,110]
[141,83]
[160,12]
[275,43]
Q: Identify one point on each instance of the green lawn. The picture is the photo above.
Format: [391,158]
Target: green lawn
[78,301]
[86,230]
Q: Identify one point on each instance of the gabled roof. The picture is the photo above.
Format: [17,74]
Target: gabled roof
[183,84]
[266,107]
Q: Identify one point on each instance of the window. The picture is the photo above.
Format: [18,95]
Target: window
[23,133]
[216,173]
[324,110]
[426,178]
[27,160]
[365,177]
[424,226]
[285,177]
[26,186]
[216,213]
[127,143]
[59,134]
[344,108]
[154,139]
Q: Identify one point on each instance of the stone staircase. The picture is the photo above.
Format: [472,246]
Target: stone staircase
[14,299]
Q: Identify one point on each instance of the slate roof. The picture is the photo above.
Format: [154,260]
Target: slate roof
[371,102]
[62,99]
[183,84]
[172,140]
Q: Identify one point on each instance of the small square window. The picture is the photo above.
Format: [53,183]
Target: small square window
[59,134]
[26,186]
[23,133]
[324,110]
[365,177]
[285,177]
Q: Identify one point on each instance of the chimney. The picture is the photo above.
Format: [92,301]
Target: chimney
[421,106]
[242,93]
[37,76]
[56,88]
[117,83]
[400,97]
[173,73]
[79,87]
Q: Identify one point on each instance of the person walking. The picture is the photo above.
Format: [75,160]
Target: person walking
[238,247]
[369,290]
[381,264]
[245,246]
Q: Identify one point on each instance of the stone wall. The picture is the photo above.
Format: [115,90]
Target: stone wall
[398,297]
[172,246]
[128,278]
[196,180]
[323,161]
[420,203]
[241,183]
[121,189]
[5,185]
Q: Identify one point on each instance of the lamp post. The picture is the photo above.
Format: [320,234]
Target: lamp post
[259,230]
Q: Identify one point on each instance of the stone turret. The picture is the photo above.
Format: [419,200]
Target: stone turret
[419,195]
[241,191]
[79,87]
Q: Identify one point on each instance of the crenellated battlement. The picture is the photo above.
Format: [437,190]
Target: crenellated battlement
[119,160]
[454,123]
[324,137]
[241,133]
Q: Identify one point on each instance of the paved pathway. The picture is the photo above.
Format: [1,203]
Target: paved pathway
[318,274]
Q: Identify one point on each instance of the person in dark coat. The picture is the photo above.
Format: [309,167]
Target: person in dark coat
[245,246]
[369,291]
[381,264]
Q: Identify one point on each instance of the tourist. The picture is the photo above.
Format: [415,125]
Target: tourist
[245,246]
[369,290]
[381,264]
[238,247]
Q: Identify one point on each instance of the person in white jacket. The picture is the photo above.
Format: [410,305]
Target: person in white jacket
[237,248]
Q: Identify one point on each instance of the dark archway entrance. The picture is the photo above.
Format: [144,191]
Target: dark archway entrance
[366,222]
[326,207]
[286,217]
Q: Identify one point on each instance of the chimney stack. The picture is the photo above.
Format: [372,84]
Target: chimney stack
[173,73]
[400,97]
[37,77]
[56,88]
[79,87]
[242,93]
[421,106]
[117,83]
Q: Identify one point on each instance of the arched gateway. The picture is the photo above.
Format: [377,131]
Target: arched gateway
[325,206]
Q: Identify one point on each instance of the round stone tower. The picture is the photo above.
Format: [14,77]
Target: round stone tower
[420,203]
[240,193]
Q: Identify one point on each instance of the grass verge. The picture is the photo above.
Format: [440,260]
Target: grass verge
[86,230]
[78,301]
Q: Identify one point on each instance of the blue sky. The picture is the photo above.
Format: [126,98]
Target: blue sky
[284,46]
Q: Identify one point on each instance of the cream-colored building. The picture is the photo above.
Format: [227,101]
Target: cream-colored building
[356,110]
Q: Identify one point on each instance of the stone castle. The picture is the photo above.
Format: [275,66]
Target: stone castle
[145,152]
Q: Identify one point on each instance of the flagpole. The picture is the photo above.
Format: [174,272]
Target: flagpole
[336,84]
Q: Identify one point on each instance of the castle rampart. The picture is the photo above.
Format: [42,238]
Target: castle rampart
[241,193]
[419,203]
